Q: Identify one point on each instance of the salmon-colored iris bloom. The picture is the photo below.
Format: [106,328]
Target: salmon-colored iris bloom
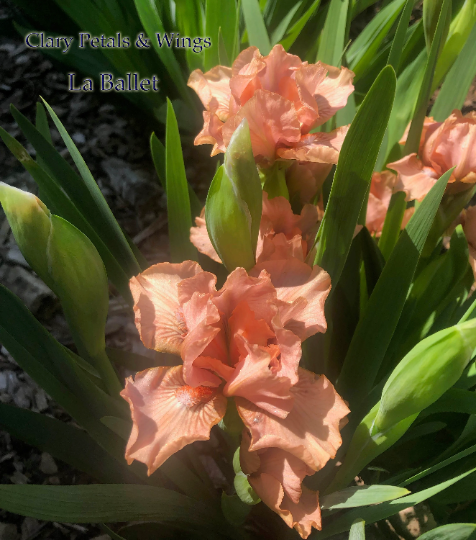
[282,98]
[282,234]
[243,340]
[443,145]
[382,187]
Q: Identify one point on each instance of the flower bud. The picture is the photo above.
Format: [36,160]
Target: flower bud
[426,373]
[30,222]
[234,203]
[67,261]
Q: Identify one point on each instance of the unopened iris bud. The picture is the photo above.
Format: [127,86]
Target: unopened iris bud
[234,203]
[67,261]
[426,373]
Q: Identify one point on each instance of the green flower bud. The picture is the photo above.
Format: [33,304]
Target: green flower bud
[234,203]
[67,261]
[426,373]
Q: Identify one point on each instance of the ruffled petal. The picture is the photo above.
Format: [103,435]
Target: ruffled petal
[278,217]
[331,93]
[310,431]
[279,65]
[167,414]
[277,247]
[211,133]
[244,82]
[202,283]
[306,514]
[158,314]
[254,380]
[258,292]
[302,290]
[286,468]
[305,178]
[302,516]
[453,144]
[276,476]
[375,217]
[413,178]
[243,325]
[272,121]
[213,89]
[381,189]
[203,320]
[317,147]
[200,239]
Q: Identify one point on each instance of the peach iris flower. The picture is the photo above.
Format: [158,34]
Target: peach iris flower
[243,340]
[443,145]
[282,234]
[282,98]
[382,187]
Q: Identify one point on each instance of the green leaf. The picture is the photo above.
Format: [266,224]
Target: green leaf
[453,531]
[392,225]
[219,14]
[408,86]
[297,27]
[414,134]
[399,39]
[454,400]
[103,214]
[364,48]
[386,509]
[64,207]
[234,509]
[332,40]
[157,150]
[435,287]
[353,174]
[357,531]
[137,362]
[257,33]
[64,442]
[378,323]
[361,496]
[460,29]
[280,30]
[439,466]
[152,23]
[178,201]
[458,81]
[464,490]
[109,504]
[48,363]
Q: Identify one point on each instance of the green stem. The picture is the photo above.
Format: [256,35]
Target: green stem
[275,182]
